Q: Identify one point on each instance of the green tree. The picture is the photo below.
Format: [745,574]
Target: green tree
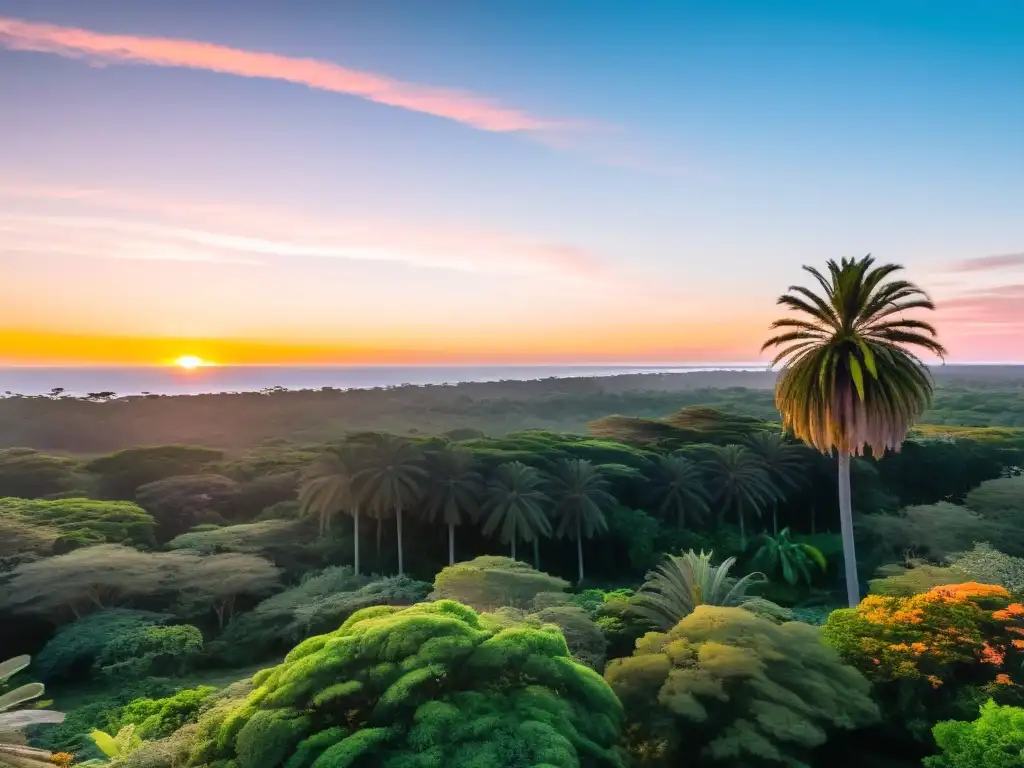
[848,379]
[994,740]
[676,588]
[724,687]
[739,483]
[329,487]
[454,490]
[581,500]
[391,480]
[84,521]
[13,752]
[677,488]
[517,505]
[796,561]
[785,462]
[179,503]
[119,474]
[432,684]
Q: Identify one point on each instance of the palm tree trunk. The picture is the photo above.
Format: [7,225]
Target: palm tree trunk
[451,544]
[513,547]
[846,524]
[355,537]
[401,563]
[536,552]
[579,549]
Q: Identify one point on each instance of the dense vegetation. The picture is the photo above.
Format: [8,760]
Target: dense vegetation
[676,593]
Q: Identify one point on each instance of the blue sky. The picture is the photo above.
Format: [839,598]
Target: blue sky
[691,157]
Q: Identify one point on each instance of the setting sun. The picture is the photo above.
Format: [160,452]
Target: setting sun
[190,362]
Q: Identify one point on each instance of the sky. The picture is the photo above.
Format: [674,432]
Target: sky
[464,181]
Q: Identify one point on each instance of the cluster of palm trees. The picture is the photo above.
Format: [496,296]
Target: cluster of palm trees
[848,381]
[384,476]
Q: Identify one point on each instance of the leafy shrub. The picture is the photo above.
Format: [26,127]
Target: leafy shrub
[151,652]
[75,648]
[119,475]
[935,531]
[27,473]
[84,521]
[21,541]
[988,565]
[99,713]
[272,624]
[159,718]
[430,684]
[932,654]
[994,740]
[179,503]
[583,637]
[1001,500]
[735,689]
[489,582]
[326,613]
[896,581]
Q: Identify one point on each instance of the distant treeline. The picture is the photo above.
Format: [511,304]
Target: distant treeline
[971,396]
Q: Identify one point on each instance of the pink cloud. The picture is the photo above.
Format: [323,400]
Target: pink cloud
[986,263]
[466,108]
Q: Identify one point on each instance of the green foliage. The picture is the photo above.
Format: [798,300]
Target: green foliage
[517,505]
[676,588]
[585,640]
[729,688]
[324,613]
[272,626]
[677,489]
[84,521]
[151,651]
[100,713]
[693,424]
[120,474]
[179,503]
[119,746]
[489,582]
[1000,500]
[159,718]
[260,538]
[740,484]
[427,685]
[994,740]
[794,561]
[897,581]
[988,565]
[21,541]
[72,652]
[935,532]
[27,473]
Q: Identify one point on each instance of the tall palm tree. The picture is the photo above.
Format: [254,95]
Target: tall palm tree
[329,488]
[517,504]
[580,494]
[785,462]
[391,479]
[848,378]
[739,483]
[677,486]
[454,490]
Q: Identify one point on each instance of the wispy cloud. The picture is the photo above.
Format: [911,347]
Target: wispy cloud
[989,263]
[97,47]
[995,309]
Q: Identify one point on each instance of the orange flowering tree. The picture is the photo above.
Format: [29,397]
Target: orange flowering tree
[938,653]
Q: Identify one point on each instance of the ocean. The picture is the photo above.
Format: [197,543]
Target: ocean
[175,381]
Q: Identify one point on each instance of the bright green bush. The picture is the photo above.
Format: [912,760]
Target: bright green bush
[159,718]
[151,652]
[489,582]
[428,685]
[75,648]
[725,687]
[325,613]
[994,740]
[84,521]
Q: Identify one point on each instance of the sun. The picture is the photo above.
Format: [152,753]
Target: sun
[190,362]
